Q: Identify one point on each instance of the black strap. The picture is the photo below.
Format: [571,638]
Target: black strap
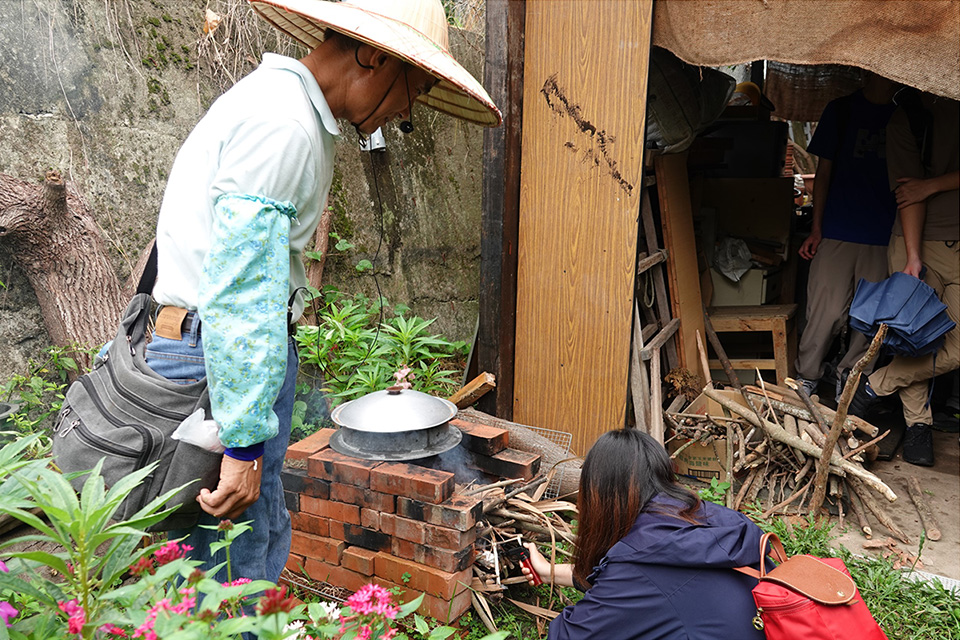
[149,275]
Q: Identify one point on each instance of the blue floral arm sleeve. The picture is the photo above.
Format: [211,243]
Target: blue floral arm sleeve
[243,306]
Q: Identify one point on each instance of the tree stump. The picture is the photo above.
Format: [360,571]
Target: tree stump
[55,240]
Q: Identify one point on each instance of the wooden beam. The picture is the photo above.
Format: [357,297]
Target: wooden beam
[647,262]
[503,78]
[470,392]
[665,334]
[673,188]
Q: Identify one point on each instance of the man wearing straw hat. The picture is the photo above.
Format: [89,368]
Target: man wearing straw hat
[243,200]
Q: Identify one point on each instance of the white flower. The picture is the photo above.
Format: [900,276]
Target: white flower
[331,610]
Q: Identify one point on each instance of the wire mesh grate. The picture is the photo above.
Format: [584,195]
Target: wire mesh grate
[560,439]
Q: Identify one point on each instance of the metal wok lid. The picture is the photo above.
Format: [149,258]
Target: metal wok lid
[394,410]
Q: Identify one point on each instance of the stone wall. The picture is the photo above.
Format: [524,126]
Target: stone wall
[105,91]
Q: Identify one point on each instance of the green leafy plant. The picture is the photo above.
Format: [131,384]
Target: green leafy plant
[357,354]
[36,396]
[715,492]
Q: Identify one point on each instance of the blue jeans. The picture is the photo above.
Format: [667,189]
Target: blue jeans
[260,553]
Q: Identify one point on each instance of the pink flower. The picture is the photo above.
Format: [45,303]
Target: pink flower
[401,377]
[7,611]
[364,632]
[113,630]
[170,552]
[76,616]
[236,583]
[389,633]
[3,566]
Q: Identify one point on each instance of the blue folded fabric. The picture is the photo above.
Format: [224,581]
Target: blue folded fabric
[916,319]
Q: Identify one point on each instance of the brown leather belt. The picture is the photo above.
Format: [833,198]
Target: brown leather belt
[173,322]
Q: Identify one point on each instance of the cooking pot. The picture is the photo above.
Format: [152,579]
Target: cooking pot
[395,424]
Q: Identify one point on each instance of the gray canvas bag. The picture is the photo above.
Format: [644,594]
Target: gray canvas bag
[124,413]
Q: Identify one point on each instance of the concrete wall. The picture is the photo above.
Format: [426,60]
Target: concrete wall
[106,90]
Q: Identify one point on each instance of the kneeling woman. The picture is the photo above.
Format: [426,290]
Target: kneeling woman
[654,560]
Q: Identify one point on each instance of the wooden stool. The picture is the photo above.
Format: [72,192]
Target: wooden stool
[778,319]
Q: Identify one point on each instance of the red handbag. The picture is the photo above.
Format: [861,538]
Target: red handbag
[808,597]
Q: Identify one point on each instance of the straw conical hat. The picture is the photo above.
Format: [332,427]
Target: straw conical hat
[413,30]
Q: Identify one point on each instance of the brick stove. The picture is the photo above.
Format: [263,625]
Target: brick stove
[400,524]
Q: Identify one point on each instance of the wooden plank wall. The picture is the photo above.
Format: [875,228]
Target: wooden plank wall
[585,85]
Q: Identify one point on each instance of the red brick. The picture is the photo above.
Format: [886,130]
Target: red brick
[482,438]
[338,530]
[419,483]
[295,563]
[422,578]
[310,445]
[311,524]
[335,575]
[404,549]
[509,463]
[316,547]
[444,610]
[359,559]
[409,530]
[387,522]
[329,509]
[366,538]
[363,498]
[297,481]
[451,539]
[370,519]
[336,467]
[459,512]
[443,559]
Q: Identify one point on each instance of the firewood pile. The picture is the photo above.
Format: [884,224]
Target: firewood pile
[794,452]
[514,512]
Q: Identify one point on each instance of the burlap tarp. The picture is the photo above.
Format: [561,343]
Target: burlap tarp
[916,42]
[800,92]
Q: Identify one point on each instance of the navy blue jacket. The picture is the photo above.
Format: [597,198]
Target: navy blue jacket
[669,579]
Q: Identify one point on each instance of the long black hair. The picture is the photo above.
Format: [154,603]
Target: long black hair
[621,473]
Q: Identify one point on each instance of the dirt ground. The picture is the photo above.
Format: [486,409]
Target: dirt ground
[941,486]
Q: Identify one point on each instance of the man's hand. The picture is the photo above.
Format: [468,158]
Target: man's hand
[913,191]
[239,487]
[913,267]
[809,247]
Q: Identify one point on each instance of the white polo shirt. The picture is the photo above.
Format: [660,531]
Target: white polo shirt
[272,134]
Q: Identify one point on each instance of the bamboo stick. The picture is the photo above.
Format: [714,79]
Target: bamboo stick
[854,502]
[782,436]
[745,487]
[796,494]
[826,454]
[926,513]
[704,362]
[866,445]
[784,405]
[877,510]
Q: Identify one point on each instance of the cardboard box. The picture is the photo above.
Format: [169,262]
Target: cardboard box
[757,286]
[703,461]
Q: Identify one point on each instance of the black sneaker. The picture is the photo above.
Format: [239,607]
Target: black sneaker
[918,445]
[864,399]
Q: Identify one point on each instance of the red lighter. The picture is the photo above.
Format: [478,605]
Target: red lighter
[519,552]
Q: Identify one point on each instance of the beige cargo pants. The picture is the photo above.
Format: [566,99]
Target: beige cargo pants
[910,376]
[834,273]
